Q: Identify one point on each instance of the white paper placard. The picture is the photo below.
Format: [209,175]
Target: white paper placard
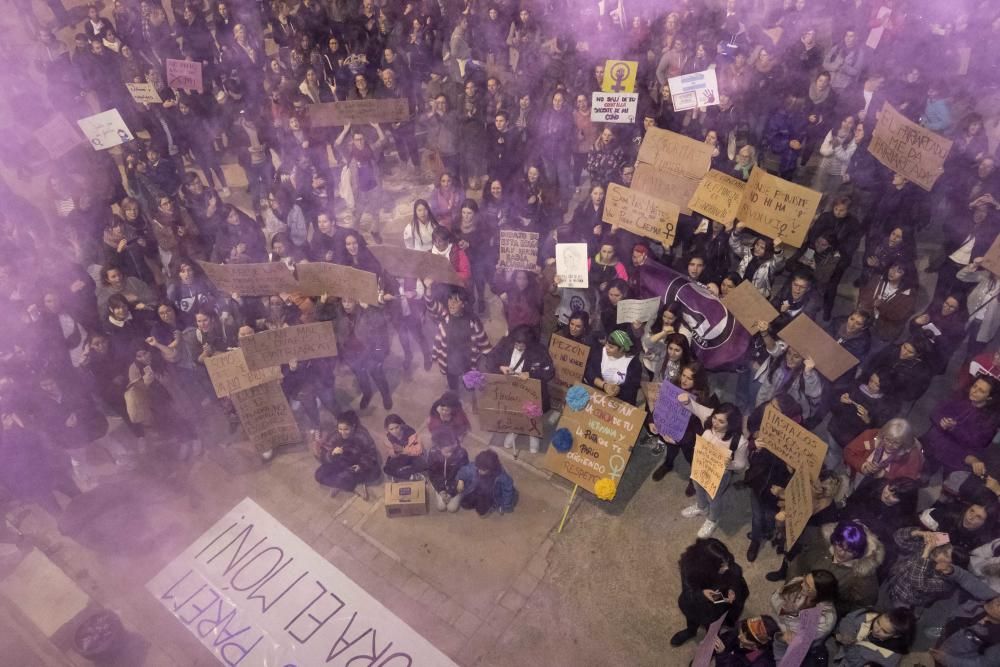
[571,265]
[688,91]
[255,595]
[613,107]
[105,130]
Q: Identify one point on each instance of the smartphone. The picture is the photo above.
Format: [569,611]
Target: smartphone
[718,598]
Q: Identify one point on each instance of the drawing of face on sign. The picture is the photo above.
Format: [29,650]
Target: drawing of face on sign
[714,331]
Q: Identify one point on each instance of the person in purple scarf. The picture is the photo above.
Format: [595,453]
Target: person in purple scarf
[962,428]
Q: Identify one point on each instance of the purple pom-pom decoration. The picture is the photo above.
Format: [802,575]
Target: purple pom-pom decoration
[562,440]
[474,380]
[577,397]
[532,409]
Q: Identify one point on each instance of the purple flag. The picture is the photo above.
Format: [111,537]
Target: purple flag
[671,418]
[803,639]
[703,655]
[718,338]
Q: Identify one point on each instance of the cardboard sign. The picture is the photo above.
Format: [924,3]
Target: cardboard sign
[798,505]
[405,499]
[718,196]
[319,278]
[749,306]
[651,390]
[670,415]
[144,93]
[250,279]
[991,260]
[778,208]
[105,130]
[619,76]
[613,107]
[711,461]
[255,594]
[908,149]
[570,360]
[518,250]
[700,89]
[184,75]
[279,346]
[58,136]
[229,373]
[638,310]
[571,265]
[371,110]
[676,154]
[809,340]
[266,416]
[417,264]
[641,214]
[501,405]
[791,443]
[603,435]
[673,188]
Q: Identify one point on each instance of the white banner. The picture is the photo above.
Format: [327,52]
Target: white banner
[255,595]
[688,91]
[613,107]
[105,130]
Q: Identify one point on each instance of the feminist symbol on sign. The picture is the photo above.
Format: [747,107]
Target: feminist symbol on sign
[619,72]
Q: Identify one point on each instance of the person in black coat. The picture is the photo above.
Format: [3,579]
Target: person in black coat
[944,328]
[905,367]
[868,404]
[712,584]
[519,354]
[612,360]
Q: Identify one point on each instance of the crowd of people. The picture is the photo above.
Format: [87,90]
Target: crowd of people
[109,314]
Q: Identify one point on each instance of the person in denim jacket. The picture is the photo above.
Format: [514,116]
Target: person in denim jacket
[487,486]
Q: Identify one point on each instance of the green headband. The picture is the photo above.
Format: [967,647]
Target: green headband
[621,339]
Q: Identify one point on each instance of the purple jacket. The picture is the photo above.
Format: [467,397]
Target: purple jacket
[972,433]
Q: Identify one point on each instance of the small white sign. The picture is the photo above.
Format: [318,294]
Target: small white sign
[613,107]
[688,91]
[571,265]
[105,130]
[255,595]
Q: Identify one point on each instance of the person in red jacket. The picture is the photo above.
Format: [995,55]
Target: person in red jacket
[890,452]
[444,244]
[987,363]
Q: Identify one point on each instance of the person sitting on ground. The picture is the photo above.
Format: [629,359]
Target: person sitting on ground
[444,461]
[487,486]
[868,637]
[747,645]
[347,456]
[406,459]
[447,412]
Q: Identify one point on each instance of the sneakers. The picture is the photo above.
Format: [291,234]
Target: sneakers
[509,441]
[692,511]
[267,456]
[707,528]
[534,444]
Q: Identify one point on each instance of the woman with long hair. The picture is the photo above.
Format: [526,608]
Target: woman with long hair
[892,298]
[417,233]
[712,584]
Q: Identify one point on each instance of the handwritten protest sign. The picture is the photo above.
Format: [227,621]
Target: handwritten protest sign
[184,75]
[791,443]
[808,339]
[798,505]
[619,76]
[709,465]
[718,197]
[641,214]
[674,188]
[518,250]
[907,148]
[638,310]
[613,107]
[675,153]
[778,208]
[229,373]
[371,110]
[318,278]
[571,265]
[406,263]
[266,416]
[670,415]
[250,279]
[603,435]
[279,346]
[569,359]
[502,405]
[991,260]
[706,647]
[105,130]
[144,93]
[58,136]
[699,89]
[255,594]
[749,306]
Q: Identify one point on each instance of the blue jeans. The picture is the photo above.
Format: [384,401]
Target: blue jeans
[762,522]
[714,505]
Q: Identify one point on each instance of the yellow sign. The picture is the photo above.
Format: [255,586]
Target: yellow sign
[619,76]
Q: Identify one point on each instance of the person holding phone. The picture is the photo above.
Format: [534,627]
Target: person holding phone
[712,585]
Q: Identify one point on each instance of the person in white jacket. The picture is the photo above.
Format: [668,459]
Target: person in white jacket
[723,429]
[760,258]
